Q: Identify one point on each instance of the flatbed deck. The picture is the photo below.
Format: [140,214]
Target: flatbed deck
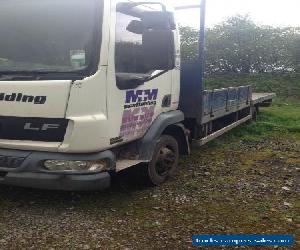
[230,106]
[261,98]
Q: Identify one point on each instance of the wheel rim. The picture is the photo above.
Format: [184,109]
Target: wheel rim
[165,161]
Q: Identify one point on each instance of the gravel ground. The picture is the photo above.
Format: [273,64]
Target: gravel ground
[230,187]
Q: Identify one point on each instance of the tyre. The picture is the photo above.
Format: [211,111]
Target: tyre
[164,161]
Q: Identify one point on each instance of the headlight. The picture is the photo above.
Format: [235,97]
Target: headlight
[77,166]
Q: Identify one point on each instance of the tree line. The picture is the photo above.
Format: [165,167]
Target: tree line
[238,45]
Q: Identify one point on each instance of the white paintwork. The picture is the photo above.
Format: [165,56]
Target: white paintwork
[94,105]
[57,93]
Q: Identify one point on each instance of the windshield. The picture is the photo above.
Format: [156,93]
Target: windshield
[49,35]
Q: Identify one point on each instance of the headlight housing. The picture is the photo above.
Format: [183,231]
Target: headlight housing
[77,166]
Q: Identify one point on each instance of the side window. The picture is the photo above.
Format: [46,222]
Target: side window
[128,54]
[144,45]
[144,38]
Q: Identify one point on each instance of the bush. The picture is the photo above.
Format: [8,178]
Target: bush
[238,45]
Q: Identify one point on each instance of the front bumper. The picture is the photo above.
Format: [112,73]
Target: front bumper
[92,182]
[25,169]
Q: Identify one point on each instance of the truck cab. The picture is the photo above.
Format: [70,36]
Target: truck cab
[81,83]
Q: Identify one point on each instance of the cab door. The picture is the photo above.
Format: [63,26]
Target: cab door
[138,93]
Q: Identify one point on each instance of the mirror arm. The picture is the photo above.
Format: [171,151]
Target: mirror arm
[124,85]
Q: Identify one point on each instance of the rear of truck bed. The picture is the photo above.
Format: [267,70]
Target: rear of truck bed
[263,99]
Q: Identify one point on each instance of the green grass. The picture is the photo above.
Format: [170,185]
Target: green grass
[277,121]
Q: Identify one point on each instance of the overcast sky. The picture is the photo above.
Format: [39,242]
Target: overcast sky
[269,12]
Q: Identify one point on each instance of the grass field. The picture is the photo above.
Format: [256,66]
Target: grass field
[244,182]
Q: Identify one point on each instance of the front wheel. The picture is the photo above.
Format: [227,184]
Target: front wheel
[164,161]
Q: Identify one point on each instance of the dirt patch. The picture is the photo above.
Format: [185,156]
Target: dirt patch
[236,188]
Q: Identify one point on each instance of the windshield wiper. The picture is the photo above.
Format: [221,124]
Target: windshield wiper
[39,75]
[10,77]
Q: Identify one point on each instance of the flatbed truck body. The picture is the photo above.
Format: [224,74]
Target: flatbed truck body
[104,92]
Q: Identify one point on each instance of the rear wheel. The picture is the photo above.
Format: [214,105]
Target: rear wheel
[164,161]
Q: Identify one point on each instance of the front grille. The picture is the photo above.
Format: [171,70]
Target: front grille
[10,162]
[33,129]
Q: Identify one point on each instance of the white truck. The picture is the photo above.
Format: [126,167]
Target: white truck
[91,88]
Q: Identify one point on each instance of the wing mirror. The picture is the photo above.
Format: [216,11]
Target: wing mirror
[136,27]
